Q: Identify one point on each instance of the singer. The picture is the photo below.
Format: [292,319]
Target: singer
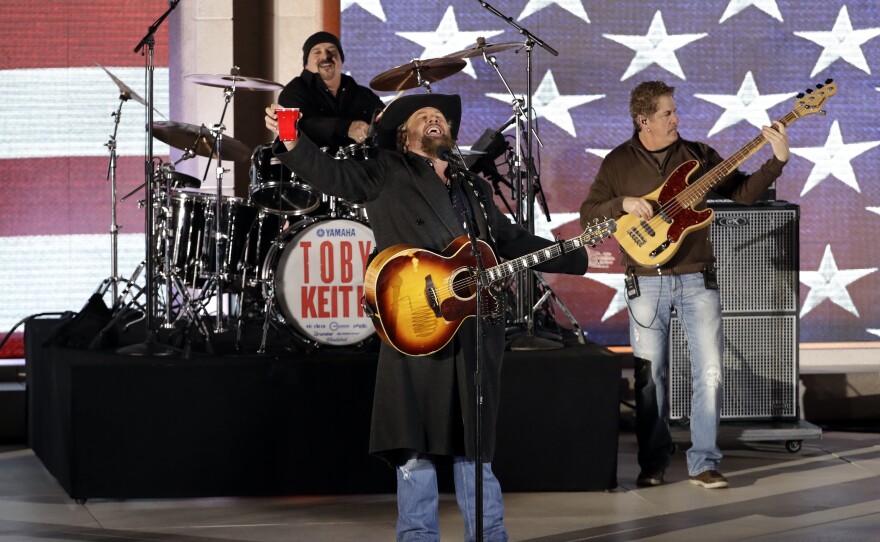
[423,410]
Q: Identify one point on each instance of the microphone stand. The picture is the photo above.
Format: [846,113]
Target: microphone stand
[525,214]
[479,276]
[150,346]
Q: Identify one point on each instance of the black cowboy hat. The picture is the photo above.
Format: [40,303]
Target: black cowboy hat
[402,108]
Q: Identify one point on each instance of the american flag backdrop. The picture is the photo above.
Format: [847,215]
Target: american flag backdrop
[736,64]
[55,120]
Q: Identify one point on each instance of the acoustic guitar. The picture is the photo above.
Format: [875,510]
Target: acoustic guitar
[417,299]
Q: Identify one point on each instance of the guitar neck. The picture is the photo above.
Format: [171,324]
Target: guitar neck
[508,268]
[591,236]
[695,193]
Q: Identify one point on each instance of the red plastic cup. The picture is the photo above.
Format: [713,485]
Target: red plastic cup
[287,119]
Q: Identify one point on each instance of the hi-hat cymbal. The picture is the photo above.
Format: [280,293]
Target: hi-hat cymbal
[413,74]
[198,138]
[240,82]
[126,91]
[489,49]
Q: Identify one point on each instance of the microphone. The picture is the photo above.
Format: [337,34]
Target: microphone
[446,153]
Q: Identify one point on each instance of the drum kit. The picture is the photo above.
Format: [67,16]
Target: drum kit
[287,255]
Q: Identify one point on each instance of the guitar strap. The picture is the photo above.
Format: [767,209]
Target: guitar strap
[480,218]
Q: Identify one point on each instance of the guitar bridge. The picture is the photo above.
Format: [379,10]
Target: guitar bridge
[431,296]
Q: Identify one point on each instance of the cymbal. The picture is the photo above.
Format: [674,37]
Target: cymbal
[409,75]
[243,83]
[126,91]
[198,138]
[487,48]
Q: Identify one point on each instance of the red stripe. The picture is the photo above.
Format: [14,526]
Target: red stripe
[76,33]
[60,196]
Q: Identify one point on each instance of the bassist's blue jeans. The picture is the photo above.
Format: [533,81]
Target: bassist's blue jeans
[699,312]
[418,499]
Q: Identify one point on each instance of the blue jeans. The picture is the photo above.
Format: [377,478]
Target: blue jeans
[699,312]
[418,499]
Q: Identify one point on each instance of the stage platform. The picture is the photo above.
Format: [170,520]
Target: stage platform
[113,426]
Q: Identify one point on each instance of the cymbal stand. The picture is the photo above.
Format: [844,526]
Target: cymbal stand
[216,281]
[112,282]
[421,82]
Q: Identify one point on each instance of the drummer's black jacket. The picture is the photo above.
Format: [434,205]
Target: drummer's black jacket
[326,118]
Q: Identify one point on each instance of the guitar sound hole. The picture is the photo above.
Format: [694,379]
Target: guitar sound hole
[463,285]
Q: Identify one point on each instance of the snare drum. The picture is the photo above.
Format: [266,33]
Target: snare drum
[276,189]
[317,279]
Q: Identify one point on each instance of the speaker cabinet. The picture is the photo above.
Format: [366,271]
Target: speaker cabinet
[759,368]
[756,249]
[757,254]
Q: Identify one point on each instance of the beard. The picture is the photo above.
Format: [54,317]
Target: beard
[430,145]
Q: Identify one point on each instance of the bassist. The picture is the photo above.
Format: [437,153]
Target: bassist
[627,183]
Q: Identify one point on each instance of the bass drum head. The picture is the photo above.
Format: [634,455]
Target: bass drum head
[319,280]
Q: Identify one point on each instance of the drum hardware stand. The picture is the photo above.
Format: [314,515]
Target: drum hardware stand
[219,237]
[150,346]
[525,185]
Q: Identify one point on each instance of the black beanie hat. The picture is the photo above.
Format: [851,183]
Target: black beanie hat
[321,37]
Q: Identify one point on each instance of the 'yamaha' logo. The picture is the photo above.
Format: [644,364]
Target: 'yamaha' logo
[732,221]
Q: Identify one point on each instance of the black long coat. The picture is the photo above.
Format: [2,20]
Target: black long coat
[426,404]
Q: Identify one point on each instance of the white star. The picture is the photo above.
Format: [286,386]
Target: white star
[767,6]
[448,39]
[655,47]
[830,283]
[575,7]
[874,209]
[747,105]
[601,153]
[373,7]
[874,332]
[615,281]
[553,106]
[833,159]
[841,42]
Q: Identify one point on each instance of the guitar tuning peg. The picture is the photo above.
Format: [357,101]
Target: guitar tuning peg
[829,81]
[809,91]
[819,85]
[800,95]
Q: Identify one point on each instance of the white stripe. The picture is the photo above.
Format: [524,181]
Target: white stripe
[68,112]
[58,273]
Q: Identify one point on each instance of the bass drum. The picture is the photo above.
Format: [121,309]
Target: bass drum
[316,275]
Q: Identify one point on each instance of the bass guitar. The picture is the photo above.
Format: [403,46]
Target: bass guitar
[654,241]
[418,299]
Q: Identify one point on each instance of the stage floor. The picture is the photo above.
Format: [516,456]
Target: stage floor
[828,491]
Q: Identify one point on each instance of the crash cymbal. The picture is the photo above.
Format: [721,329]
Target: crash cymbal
[241,82]
[198,138]
[489,49]
[126,91]
[417,72]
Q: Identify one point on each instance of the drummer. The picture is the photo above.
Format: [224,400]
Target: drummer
[336,111]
